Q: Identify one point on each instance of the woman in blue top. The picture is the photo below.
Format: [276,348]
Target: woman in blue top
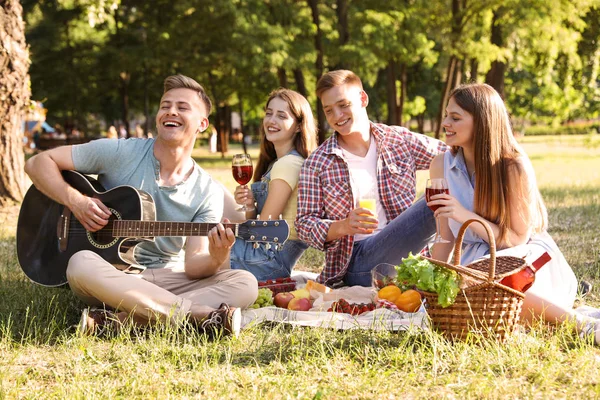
[288,136]
[491,179]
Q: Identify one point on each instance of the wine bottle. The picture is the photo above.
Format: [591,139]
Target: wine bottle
[523,279]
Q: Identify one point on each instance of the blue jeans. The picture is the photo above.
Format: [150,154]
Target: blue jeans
[409,232]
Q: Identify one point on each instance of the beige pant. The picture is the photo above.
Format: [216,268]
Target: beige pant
[166,293]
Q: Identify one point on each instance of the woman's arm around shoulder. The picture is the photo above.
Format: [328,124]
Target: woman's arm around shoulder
[424,148]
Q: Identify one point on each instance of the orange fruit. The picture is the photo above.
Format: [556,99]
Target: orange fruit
[409,301]
[390,293]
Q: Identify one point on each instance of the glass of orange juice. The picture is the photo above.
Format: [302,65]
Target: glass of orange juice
[369,201]
[369,204]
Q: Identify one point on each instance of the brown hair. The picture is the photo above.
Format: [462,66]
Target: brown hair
[184,82]
[498,159]
[337,78]
[306,139]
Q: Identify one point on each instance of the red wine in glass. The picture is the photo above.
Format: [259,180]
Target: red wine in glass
[242,173]
[436,186]
[432,192]
[241,168]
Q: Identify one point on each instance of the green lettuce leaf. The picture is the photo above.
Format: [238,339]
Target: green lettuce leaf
[429,277]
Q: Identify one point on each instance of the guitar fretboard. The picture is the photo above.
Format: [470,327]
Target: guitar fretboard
[132,228]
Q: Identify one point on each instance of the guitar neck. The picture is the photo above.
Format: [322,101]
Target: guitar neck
[132,228]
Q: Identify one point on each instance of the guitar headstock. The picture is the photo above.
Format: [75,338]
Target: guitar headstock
[257,231]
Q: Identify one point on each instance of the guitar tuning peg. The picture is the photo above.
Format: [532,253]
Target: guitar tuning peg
[280,216]
[257,216]
[278,247]
[269,217]
[268,246]
[256,245]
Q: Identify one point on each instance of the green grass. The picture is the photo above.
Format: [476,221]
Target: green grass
[42,357]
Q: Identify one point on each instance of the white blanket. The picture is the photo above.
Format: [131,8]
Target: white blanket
[318,316]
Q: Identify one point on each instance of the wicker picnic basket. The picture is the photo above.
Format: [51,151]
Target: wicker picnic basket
[483,305]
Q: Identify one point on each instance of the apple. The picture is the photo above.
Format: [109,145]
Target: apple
[297,304]
[282,299]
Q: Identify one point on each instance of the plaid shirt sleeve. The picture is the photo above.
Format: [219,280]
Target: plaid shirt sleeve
[423,148]
[310,226]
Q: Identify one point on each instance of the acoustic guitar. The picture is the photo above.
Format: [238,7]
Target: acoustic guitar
[48,234]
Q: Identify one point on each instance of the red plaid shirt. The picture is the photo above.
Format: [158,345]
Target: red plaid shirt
[325,195]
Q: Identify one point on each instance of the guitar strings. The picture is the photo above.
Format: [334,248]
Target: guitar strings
[75,228]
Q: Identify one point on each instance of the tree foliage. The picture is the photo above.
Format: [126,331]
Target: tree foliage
[106,59]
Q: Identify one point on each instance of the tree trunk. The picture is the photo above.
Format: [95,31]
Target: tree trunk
[391,92]
[300,83]
[458,73]
[314,7]
[403,95]
[218,126]
[125,76]
[421,123]
[454,71]
[146,102]
[242,129]
[342,25]
[223,121]
[342,28]
[14,98]
[495,76]
[73,86]
[220,117]
[473,70]
[445,94]
[282,76]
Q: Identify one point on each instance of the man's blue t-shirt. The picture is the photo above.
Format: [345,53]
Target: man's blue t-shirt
[131,162]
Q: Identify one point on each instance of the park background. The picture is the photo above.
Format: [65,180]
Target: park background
[96,63]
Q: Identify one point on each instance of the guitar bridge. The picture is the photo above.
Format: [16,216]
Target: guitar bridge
[62,229]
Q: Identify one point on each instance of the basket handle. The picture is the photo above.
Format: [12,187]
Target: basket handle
[491,240]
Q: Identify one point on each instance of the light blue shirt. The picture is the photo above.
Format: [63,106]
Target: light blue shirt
[556,280]
[131,162]
[462,187]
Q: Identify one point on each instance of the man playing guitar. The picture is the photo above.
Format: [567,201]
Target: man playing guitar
[177,278]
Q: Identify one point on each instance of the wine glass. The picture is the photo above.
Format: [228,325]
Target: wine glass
[436,186]
[241,167]
[383,274]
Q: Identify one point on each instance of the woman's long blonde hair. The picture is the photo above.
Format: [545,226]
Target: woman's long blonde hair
[496,153]
[306,139]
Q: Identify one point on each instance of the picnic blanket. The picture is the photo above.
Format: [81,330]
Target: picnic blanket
[318,316]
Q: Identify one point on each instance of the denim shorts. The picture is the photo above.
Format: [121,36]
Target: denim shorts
[266,263]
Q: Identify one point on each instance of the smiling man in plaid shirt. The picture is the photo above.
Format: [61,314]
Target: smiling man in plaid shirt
[362,160]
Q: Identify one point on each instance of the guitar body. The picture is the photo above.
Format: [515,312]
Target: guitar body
[48,235]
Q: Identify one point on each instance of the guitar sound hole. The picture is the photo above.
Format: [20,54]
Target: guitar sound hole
[104,236]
